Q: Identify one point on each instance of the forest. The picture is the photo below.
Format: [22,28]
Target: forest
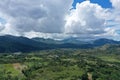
[101,63]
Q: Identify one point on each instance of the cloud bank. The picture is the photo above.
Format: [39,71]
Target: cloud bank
[56,19]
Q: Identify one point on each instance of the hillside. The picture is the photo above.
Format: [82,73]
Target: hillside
[62,64]
[9,44]
[19,44]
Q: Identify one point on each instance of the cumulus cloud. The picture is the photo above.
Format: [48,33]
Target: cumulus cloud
[56,36]
[115,14]
[1,26]
[86,19]
[40,15]
[116,4]
[56,19]
[90,20]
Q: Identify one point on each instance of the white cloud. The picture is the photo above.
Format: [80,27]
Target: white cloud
[86,19]
[116,4]
[1,26]
[9,30]
[115,14]
[54,19]
[40,15]
[57,36]
[90,20]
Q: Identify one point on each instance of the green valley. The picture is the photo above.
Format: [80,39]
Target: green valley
[61,64]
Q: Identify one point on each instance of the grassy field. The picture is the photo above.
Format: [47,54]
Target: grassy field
[10,71]
[110,58]
[60,64]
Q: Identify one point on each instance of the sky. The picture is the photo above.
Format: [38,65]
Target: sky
[60,19]
[103,3]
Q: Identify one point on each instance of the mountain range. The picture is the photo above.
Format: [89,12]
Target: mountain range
[9,44]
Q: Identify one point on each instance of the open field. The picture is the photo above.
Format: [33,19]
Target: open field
[60,64]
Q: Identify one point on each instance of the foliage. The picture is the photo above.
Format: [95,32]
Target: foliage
[61,64]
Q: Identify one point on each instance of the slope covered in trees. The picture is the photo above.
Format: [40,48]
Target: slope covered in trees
[63,64]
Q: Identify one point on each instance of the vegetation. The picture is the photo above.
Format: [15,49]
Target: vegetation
[11,44]
[62,64]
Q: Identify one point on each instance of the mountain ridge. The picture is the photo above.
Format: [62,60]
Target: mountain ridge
[10,44]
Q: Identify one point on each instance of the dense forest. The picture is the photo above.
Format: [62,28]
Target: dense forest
[101,63]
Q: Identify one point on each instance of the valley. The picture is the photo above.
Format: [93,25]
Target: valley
[62,64]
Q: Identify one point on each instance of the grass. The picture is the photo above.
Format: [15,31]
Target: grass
[9,70]
[110,58]
[62,66]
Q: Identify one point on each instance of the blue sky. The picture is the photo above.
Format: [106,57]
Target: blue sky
[2,21]
[103,3]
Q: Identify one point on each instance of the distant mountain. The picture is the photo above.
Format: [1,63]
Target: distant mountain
[10,44]
[98,42]
[74,41]
[48,41]
[64,41]
[103,41]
